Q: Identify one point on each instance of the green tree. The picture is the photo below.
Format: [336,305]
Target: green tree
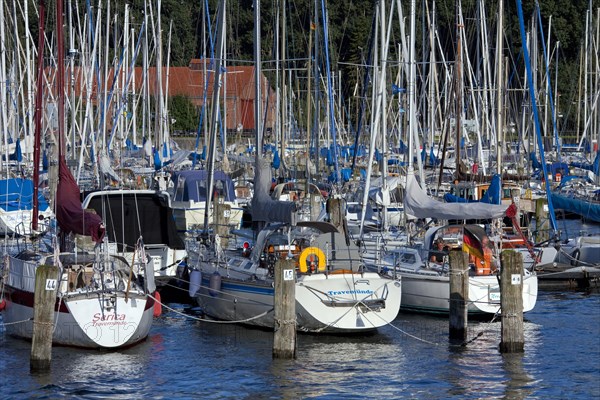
[184,113]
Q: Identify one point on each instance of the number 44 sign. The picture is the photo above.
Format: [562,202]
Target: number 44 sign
[50,284]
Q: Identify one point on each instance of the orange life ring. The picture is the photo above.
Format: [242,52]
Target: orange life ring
[311,251]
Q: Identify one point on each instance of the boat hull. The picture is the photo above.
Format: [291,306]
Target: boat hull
[430,293]
[92,309]
[82,320]
[324,302]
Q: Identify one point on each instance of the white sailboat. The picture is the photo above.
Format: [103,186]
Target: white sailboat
[100,302]
[425,273]
[333,291]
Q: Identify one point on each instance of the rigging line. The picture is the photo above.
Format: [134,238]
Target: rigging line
[137,215]
[16,322]
[536,117]
[131,74]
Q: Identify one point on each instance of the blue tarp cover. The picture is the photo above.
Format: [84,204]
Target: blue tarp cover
[586,209]
[17,194]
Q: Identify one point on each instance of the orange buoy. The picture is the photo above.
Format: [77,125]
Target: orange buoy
[157,305]
[2,304]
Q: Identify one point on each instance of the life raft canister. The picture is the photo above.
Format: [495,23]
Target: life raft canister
[314,252]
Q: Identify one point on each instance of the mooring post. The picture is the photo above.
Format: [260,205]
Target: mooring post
[542,222]
[284,338]
[511,302]
[222,215]
[46,284]
[459,295]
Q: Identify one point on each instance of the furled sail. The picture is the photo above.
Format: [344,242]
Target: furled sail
[418,204]
[264,208]
[69,214]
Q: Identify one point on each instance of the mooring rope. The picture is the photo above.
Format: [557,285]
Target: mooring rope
[241,321]
[16,322]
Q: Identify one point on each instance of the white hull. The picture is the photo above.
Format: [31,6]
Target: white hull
[91,309]
[81,325]
[324,302]
[189,215]
[429,292]
[18,222]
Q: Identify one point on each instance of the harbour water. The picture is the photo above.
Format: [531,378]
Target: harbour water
[410,358]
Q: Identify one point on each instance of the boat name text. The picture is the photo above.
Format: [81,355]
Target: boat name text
[342,292]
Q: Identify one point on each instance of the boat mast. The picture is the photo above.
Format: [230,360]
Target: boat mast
[458,87]
[536,119]
[39,97]
[212,148]
[499,83]
[257,82]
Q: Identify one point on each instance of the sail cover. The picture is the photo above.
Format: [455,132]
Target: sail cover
[264,208]
[418,204]
[69,214]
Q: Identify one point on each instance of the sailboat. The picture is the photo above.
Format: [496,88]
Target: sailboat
[100,300]
[425,270]
[334,293]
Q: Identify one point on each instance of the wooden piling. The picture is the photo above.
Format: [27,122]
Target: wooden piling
[542,223]
[511,302]
[46,284]
[222,215]
[334,207]
[459,295]
[284,338]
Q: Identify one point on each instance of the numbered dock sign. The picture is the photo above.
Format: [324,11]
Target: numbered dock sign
[288,274]
[50,284]
[515,279]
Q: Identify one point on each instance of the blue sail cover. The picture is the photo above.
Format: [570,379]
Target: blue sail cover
[491,196]
[17,194]
[276,160]
[535,164]
[586,209]
[17,155]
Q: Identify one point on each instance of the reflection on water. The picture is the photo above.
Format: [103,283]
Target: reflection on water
[183,358]
[519,385]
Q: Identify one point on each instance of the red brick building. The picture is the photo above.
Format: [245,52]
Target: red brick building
[238,89]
